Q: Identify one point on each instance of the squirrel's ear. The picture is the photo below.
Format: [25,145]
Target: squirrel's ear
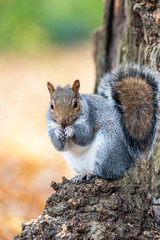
[50,87]
[76,86]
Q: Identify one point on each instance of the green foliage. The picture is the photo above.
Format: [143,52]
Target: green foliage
[34,24]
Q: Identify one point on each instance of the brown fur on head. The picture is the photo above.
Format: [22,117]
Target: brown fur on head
[136,97]
[65,104]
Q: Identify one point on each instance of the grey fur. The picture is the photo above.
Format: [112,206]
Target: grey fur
[57,140]
[99,144]
[152,77]
[112,159]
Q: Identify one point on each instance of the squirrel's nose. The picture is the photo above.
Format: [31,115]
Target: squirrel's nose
[63,122]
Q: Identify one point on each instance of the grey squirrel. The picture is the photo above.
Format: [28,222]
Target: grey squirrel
[104,133]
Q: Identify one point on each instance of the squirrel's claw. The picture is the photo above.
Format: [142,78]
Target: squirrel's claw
[82,177]
[69,132]
[59,132]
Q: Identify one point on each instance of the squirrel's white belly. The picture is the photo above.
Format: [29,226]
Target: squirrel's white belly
[82,158]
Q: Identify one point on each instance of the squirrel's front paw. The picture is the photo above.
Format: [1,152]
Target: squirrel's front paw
[59,132]
[69,132]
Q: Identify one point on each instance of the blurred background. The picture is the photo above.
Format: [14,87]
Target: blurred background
[40,41]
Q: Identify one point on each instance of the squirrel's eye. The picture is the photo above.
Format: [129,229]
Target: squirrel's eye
[51,106]
[75,104]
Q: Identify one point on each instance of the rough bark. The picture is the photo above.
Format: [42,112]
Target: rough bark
[130,33]
[127,208]
[97,209]
[133,36]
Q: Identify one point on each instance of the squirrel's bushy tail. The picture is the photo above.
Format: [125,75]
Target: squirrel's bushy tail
[134,90]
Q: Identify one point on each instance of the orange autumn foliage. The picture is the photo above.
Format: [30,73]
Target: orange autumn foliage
[28,161]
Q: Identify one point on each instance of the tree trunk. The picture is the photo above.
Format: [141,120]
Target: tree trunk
[131,33]
[127,208]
